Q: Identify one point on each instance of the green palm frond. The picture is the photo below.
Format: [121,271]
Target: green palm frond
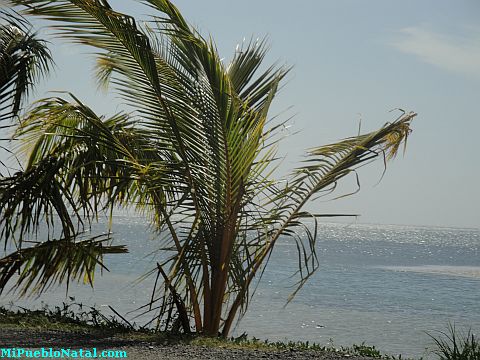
[55,262]
[24,59]
[34,197]
[78,161]
[325,166]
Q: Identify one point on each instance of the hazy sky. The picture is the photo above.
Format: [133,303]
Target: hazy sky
[356,59]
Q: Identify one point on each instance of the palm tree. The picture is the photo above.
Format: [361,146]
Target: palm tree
[196,154]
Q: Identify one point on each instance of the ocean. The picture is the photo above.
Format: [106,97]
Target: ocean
[385,285]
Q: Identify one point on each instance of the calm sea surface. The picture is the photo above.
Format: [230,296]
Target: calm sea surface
[383,285]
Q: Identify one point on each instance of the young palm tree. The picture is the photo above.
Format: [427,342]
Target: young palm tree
[196,154]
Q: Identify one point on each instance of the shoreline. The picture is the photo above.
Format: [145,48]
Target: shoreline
[29,338]
[65,329]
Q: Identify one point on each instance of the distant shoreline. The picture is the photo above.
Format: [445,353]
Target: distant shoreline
[338,221]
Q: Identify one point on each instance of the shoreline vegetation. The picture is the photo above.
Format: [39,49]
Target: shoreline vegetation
[75,325]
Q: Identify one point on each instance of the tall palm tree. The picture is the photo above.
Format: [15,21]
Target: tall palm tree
[196,154]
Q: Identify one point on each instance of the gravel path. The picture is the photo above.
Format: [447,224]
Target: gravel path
[28,338]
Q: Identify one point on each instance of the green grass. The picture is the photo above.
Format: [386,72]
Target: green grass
[456,345]
[67,317]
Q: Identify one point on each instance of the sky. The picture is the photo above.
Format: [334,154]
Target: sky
[353,61]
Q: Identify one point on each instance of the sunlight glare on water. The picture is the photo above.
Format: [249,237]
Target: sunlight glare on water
[384,285]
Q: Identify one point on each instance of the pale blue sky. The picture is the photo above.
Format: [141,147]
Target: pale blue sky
[350,58]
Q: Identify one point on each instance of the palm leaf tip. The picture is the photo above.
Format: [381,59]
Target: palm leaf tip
[387,139]
[399,134]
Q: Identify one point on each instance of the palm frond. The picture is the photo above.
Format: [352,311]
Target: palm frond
[55,262]
[324,167]
[24,60]
[78,162]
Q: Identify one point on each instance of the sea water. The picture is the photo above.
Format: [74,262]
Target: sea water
[388,286]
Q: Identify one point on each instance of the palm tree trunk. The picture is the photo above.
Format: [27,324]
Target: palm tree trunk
[219,270]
